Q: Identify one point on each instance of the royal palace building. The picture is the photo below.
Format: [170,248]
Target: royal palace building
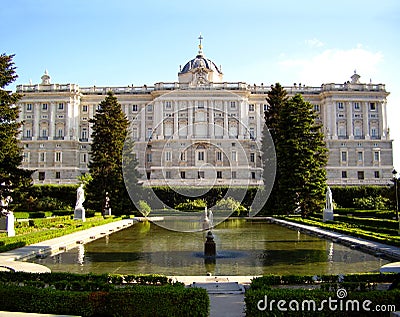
[201,129]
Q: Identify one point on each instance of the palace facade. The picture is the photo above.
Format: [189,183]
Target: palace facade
[201,130]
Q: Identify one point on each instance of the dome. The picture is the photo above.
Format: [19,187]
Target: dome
[200,62]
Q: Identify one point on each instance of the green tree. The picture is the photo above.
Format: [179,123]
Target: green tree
[277,97]
[301,153]
[12,177]
[110,129]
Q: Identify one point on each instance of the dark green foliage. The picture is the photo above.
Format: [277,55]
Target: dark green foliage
[96,295]
[11,176]
[301,155]
[110,129]
[318,288]
[344,196]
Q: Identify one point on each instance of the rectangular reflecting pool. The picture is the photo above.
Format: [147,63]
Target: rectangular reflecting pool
[243,248]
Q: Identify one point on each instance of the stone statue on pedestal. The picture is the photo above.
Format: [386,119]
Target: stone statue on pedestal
[79,212]
[328,211]
[7,223]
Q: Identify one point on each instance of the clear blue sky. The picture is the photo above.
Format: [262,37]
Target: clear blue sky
[109,43]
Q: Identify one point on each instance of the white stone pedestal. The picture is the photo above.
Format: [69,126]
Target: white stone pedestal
[327,215]
[7,224]
[79,214]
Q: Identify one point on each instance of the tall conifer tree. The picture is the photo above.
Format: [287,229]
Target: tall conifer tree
[301,155]
[11,175]
[110,129]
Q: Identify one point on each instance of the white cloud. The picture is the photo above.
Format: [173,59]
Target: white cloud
[333,65]
[314,43]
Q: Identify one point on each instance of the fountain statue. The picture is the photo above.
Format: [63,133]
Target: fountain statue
[207,219]
[79,212]
[207,224]
[328,211]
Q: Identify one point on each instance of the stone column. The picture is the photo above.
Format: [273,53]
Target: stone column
[211,119]
[334,122]
[190,118]
[349,118]
[382,119]
[365,120]
[175,113]
[52,113]
[225,114]
[258,118]
[243,119]
[143,124]
[36,119]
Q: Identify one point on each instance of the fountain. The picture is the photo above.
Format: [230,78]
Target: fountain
[209,246]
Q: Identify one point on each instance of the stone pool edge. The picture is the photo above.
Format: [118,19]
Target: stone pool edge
[368,246]
[14,260]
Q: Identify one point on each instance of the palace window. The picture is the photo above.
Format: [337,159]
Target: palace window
[183,156]
[356,105]
[252,157]
[42,157]
[376,174]
[42,176]
[233,104]
[344,156]
[168,105]
[200,104]
[168,174]
[340,105]
[219,156]
[219,174]
[360,174]
[58,175]
[28,107]
[251,107]
[344,174]
[234,175]
[233,156]
[253,175]
[360,156]
[372,106]
[149,158]
[44,106]
[168,156]
[60,106]
[376,156]
[200,174]
[183,175]
[84,108]
[134,108]
[200,156]
[58,157]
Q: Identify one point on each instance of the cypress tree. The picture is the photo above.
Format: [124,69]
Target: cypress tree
[12,177]
[110,129]
[301,155]
[277,97]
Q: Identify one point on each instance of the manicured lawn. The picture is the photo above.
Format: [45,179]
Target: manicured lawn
[38,230]
[363,224]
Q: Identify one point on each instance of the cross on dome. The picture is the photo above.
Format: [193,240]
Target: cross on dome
[200,45]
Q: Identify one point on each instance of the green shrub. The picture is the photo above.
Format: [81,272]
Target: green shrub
[371,203]
[133,301]
[192,205]
[144,208]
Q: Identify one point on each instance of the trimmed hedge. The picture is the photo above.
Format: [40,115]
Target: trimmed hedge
[344,195]
[132,301]
[266,281]
[100,295]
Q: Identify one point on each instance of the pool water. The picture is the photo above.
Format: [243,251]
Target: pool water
[243,248]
